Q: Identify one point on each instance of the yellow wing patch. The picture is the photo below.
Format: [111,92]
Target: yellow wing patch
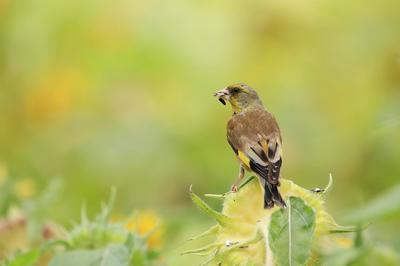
[243,158]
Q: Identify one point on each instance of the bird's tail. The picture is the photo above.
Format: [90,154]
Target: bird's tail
[272,196]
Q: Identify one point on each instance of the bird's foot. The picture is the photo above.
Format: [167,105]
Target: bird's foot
[234,188]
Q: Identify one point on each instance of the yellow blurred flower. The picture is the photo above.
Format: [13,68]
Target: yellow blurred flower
[147,222]
[3,173]
[53,94]
[25,188]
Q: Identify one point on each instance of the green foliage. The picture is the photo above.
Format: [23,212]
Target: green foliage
[6,197]
[219,217]
[366,256]
[24,259]
[363,254]
[112,255]
[100,242]
[383,207]
[291,233]
[99,232]
[91,242]
[133,251]
[37,208]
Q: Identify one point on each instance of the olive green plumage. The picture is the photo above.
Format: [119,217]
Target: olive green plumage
[255,137]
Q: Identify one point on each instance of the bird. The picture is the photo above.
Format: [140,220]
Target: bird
[254,135]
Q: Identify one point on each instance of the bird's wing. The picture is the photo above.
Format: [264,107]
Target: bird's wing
[255,138]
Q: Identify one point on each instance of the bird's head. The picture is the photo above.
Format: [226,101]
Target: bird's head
[240,96]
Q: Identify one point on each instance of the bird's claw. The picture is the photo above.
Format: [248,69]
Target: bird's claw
[234,188]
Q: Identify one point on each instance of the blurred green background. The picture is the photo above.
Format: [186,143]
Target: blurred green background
[103,93]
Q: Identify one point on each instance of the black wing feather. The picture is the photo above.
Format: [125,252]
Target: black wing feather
[270,173]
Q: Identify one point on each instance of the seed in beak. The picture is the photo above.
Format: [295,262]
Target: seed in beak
[222,101]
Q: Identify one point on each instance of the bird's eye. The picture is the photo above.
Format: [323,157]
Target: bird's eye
[235,90]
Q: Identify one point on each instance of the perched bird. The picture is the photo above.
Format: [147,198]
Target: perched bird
[255,137]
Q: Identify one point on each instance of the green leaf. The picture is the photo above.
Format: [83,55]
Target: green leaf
[363,256]
[114,255]
[383,207]
[291,232]
[212,231]
[26,259]
[219,217]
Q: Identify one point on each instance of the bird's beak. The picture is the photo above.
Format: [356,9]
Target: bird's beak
[223,95]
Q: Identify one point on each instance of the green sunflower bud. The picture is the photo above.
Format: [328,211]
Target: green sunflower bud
[248,234]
